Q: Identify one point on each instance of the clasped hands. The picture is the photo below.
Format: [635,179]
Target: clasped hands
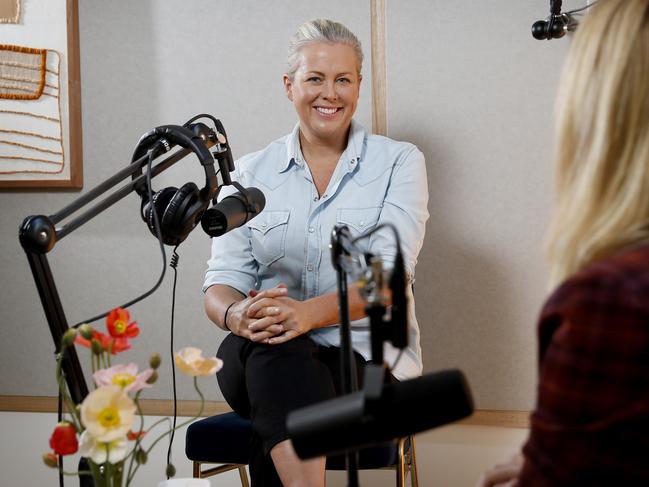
[268,316]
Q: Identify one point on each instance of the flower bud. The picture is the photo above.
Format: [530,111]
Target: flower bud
[96,347]
[171,470]
[86,331]
[154,361]
[64,439]
[69,336]
[153,378]
[50,460]
[140,456]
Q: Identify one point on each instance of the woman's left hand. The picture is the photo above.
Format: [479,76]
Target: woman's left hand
[292,314]
[503,475]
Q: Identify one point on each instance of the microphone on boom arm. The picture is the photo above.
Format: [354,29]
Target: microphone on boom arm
[235,209]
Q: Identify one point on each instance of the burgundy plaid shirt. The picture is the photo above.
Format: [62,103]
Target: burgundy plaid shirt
[591,422]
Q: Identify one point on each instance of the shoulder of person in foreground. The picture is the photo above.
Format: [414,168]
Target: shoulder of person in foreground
[619,281]
[593,343]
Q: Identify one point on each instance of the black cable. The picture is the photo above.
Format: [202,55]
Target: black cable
[580,9]
[396,360]
[173,264]
[158,231]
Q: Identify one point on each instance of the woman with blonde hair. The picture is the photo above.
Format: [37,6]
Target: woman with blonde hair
[271,282]
[590,425]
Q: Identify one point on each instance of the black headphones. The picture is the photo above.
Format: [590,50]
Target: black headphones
[178,210]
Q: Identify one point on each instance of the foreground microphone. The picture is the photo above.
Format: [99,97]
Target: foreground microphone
[399,313]
[233,211]
[353,421]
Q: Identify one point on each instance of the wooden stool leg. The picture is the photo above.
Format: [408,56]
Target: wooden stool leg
[401,463]
[244,476]
[414,479]
[196,469]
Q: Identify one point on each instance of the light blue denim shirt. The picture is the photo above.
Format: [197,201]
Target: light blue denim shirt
[376,180]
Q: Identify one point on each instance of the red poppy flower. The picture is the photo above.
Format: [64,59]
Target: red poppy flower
[115,345]
[119,326]
[64,439]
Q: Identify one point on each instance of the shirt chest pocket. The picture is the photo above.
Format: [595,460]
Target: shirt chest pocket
[268,232]
[359,219]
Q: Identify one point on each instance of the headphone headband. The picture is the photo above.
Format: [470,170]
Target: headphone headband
[160,140]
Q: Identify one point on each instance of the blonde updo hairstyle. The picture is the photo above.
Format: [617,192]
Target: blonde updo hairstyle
[320,31]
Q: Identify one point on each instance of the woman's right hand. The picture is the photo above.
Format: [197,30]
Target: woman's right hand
[269,325]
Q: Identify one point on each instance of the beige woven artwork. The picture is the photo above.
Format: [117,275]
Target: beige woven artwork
[9,11]
[31,140]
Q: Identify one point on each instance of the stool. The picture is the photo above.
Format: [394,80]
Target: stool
[224,439]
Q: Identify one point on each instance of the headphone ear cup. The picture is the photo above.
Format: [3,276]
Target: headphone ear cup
[179,215]
[158,205]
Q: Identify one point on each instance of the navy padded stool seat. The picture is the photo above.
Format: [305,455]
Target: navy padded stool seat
[225,439]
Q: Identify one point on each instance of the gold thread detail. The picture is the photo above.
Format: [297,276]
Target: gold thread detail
[31,147]
[32,134]
[43,117]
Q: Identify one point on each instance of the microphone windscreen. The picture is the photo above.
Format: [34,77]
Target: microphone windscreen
[351,422]
[257,199]
[232,212]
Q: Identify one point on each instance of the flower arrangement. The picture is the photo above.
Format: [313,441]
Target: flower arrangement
[102,428]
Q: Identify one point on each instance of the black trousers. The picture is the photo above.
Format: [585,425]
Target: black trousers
[265,382]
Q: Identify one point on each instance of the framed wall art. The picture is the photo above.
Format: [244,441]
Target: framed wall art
[40,106]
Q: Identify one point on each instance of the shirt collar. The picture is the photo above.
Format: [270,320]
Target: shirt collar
[351,155]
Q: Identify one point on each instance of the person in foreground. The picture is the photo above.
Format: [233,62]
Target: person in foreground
[590,425]
[271,282]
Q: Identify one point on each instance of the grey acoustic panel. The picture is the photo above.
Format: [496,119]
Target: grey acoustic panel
[144,64]
[471,87]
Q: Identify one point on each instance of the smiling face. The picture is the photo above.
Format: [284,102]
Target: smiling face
[324,91]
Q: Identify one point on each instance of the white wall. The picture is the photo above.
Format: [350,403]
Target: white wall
[466,82]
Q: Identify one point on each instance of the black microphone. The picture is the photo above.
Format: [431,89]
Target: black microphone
[355,420]
[556,24]
[399,314]
[233,211]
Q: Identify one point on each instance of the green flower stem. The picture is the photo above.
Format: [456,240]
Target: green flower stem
[64,391]
[136,465]
[138,440]
[108,471]
[182,425]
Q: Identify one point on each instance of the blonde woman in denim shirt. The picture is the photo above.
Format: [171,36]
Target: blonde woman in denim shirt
[271,283]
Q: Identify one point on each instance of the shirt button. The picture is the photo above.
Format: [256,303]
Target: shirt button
[324,195]
[315,198]
[311,229]
[361,223]
[309,268]
[264,225]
